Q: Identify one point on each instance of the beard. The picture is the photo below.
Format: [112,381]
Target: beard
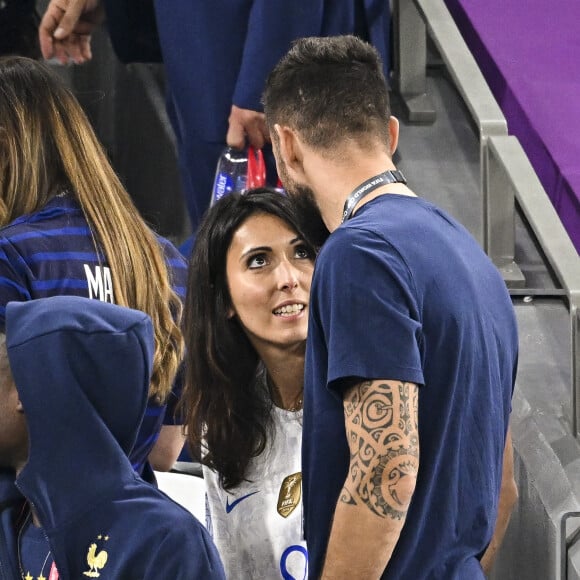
[309,215]
[310,219]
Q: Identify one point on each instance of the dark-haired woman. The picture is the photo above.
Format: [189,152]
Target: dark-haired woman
[246,320]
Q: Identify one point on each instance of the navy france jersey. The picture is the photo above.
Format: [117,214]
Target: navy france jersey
[52,252]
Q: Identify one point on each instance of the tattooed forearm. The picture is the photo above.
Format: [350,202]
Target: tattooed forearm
[381,427]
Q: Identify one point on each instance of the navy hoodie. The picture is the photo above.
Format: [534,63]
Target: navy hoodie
[82,369]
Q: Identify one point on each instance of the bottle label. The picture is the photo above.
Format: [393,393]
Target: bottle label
[224,184]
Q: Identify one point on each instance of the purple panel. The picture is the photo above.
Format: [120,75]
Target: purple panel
[529,53]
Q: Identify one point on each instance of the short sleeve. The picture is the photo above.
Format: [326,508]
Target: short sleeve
[13,279]
[186,551]
[365,301]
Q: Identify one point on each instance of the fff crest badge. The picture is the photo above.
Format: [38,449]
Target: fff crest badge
[290,494]
[96,561]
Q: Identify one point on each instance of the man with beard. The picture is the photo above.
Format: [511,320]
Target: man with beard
[412,346]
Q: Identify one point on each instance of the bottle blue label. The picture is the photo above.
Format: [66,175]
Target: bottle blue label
[224,184]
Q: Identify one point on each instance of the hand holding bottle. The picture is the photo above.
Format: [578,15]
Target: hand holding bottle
[247,127]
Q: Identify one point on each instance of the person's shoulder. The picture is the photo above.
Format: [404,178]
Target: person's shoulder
[59,213]
[181,531]
[350,240]
[21,225]
[15,238]
[187,551]
[160,515]
[361,256]
[340,238]
[179,520]
[171,540]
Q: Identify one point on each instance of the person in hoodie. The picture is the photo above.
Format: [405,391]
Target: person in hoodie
[74,381]
[67,226]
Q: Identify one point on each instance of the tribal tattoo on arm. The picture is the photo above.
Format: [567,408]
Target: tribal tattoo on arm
[381,426]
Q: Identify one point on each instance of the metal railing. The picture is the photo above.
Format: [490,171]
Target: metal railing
[506,173]
[567,541]
[509,164]
[413,19]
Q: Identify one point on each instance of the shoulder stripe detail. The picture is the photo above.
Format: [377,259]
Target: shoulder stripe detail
[8,282]
[59,284]
[63,256]
[57,232]
[47,213]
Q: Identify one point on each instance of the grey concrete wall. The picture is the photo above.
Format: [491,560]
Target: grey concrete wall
[547,457]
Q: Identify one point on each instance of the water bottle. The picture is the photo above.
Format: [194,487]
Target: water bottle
[238,170]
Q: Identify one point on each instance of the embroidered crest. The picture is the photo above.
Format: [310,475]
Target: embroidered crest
[290,494]
[96,561]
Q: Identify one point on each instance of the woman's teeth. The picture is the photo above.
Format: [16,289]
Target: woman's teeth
[289,310]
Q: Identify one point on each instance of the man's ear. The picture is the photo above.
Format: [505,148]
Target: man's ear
[19,406]
[393,133]
[290,150]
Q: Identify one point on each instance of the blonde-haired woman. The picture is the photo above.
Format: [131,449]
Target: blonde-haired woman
[67,226]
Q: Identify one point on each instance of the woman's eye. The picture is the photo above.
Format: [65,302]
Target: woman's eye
[302,252]
[257,261]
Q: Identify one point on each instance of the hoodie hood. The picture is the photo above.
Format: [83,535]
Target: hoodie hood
[82,369]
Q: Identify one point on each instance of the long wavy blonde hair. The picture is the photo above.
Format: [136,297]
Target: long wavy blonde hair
[47,145]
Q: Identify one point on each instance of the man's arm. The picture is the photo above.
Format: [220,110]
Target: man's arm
[507,499]
[381,420]
[272,26]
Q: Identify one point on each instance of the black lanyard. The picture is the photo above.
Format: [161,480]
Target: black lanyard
[367,187]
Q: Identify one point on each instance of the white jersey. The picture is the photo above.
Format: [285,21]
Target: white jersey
[257,527]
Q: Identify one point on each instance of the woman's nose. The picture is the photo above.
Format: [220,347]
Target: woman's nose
[287,276]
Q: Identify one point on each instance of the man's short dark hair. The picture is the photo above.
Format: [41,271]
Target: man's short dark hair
[329,89]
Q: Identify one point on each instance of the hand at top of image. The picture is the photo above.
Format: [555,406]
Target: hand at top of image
[66,27]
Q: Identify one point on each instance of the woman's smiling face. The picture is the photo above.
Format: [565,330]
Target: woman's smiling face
[269,271]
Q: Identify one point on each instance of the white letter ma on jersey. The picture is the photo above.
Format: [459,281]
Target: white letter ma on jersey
[100,283]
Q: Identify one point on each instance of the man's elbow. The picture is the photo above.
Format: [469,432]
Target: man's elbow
[397,498]
[405,491]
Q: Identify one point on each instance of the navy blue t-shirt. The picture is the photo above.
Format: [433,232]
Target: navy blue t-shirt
[52,253]
[403,292]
